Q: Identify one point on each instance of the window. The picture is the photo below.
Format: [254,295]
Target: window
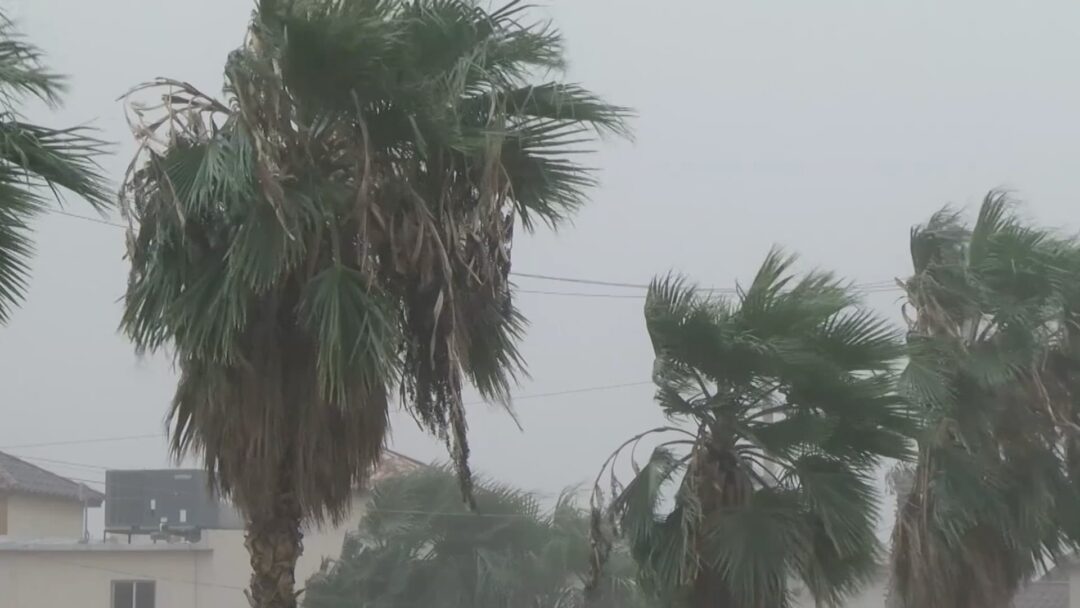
[133,594]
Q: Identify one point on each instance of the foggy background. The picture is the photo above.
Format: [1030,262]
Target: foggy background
[829,129]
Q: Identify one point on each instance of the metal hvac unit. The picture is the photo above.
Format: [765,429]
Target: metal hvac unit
[175,502]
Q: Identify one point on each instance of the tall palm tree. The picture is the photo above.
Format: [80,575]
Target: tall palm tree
[338,230]
[36,162]
[991,369]
[782,401]
[418,546]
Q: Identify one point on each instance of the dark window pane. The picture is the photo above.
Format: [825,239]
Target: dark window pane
[145,593]
[123,594]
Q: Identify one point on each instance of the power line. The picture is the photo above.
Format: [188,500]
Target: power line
[366,509]
[588,389]
[574,391]
[86,218]
[616,296]
[66,463]
[872,285]
[869,287]
[88,441]
[545,277]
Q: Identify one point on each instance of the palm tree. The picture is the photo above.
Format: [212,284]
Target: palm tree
[991,359]
[338,230]
[783,402]
[419,546]
[35,161]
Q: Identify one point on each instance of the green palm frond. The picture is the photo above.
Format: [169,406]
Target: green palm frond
[36,160]
[992,501]
[419,545]
[22,69]
[788,401]
[337,230]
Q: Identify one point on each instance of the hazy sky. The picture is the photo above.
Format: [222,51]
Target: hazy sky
[828,127]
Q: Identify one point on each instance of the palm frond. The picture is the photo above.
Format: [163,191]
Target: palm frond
[22,69]
[789,390]
[35,159]
[982,514]
[418,543]
[338,229]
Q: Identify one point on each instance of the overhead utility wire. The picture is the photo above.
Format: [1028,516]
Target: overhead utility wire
[513,399]
[870,287]
[47,444]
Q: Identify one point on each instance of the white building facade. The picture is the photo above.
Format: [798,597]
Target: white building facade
[48,561]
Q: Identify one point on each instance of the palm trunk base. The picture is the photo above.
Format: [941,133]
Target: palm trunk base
[274,542]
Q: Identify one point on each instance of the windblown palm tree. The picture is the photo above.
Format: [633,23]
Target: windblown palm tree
[783,401]
[36,161]
[992,369]
[338,230]
[419,546]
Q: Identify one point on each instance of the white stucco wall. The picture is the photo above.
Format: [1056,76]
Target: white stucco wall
[41,517]
[229,564]
[1071,573]
[51,578]
[208,574]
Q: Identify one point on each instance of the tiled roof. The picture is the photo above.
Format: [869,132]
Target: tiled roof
[20,477]
[1043,595]
[393,463]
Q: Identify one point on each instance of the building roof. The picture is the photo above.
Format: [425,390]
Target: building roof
[392,464]
[20,477]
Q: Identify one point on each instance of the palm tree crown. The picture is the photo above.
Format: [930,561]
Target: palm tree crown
[992,367]
[783,402]
[339,229]
[35,160]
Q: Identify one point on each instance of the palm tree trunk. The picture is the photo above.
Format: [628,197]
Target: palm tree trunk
[274,541]
[720,484]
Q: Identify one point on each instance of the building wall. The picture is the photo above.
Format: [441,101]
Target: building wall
[228,565]
[210,574]
[31,517]
[1071,573]
[47,579]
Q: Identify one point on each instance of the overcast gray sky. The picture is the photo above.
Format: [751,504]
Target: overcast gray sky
[828,127]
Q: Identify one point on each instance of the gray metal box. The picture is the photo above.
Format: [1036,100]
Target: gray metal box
[176,500]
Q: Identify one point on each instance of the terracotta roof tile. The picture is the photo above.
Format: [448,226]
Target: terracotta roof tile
[21,477]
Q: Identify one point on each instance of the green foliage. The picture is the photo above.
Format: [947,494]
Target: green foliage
[784,402]
[35,161]
[992,368]
[338,231]
[418,545]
